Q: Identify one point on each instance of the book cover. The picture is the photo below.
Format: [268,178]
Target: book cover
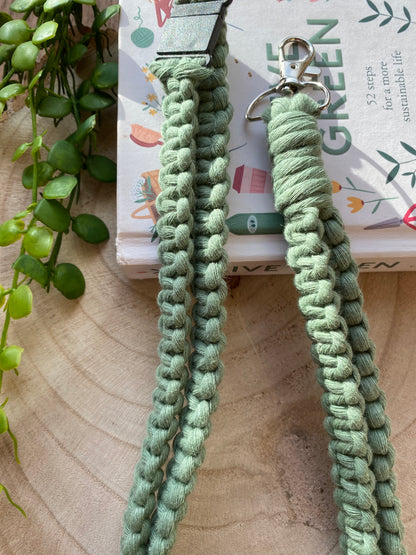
[365,52]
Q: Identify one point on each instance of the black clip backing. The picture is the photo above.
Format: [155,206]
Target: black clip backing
[192,30]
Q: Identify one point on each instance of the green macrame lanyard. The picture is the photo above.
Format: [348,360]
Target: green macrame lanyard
[331,302]
[192,230]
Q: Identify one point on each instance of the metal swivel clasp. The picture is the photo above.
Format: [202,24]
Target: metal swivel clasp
[295,75]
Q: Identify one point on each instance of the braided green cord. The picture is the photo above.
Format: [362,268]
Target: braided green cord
[175,206]
[303,195]
[388,514]
[210,290]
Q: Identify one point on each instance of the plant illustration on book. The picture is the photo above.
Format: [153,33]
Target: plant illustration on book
[40,65]
[145,192]
[397,165]
[356,203]
[152,104]
[149,77]
[389,16]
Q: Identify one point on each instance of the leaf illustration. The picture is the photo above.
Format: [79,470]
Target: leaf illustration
[408,148]
[413,182]
[387,157]
[388,8]
[372,6]
[393,173]
[376,207]
[155,234]
[407,14]
[407,173]
[387,20]
[369,18]
[405,26]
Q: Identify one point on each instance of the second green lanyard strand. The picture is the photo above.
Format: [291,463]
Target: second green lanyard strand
[331,301]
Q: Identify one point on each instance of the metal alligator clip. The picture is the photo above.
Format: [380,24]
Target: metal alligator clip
[295,75]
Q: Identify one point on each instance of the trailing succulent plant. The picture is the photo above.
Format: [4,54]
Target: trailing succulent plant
[42,43]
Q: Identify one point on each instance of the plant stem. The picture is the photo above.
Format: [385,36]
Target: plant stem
[354,188]
[395,17]
[9,74]
[34,135]
[7,317]
[55,61]
[16,274]
[71,97]
[380,199]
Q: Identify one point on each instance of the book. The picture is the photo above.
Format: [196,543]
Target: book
[365,53]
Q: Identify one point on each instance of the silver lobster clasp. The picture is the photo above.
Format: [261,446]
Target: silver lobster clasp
[293,71]
[295,75]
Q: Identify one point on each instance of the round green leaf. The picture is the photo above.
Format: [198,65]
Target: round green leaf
[38,241]
[105,75]
[37,145]
[10,359]
[4,18]
[4,423]
[90,228]
[6,51]
[65,157]
[21,6]
[32,267]
[11,231]
[88,2]
[15,31]
[45,32]
[68,279]
[60,187]
[35,80]
[83,131]
[24,57]
[51,5]
[20,302]
[84,88]
[55,107]
[104,16]
[9,91]
[96,101]
[45,172]
[20,150]
[76,53]
[102,168]
[52,214]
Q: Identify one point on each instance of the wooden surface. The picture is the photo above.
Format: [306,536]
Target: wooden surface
[81,401]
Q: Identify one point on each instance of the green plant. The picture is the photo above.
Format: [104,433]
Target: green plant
[389,16]
[396,168]
[39,61]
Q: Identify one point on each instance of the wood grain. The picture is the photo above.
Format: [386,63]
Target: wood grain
[80,404]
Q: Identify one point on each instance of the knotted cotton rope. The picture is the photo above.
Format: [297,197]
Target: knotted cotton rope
[192,230]
[331,301]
